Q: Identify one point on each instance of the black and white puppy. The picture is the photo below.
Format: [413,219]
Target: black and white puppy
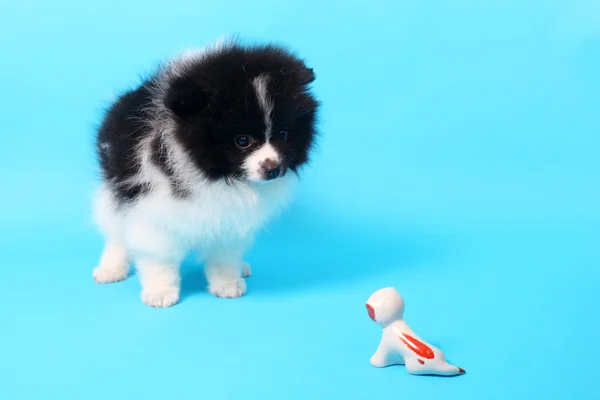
[197,158]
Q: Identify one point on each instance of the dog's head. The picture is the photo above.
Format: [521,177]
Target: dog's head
[244,112]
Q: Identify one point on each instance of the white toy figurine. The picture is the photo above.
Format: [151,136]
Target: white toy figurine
[399,344]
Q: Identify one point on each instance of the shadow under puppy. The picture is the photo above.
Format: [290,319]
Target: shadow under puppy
[199,157]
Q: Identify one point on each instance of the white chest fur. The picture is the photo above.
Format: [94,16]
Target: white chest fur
[214,212]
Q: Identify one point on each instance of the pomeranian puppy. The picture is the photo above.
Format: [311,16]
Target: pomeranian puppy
[198,158]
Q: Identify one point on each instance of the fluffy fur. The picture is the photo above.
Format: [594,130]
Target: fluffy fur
[199,157]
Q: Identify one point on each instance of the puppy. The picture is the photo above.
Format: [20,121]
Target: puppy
[198,158]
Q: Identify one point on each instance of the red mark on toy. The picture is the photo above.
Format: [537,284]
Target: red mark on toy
[420,348]
[462,371]
[421,361]
[371,312]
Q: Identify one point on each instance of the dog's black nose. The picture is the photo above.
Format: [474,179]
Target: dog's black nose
[272,173]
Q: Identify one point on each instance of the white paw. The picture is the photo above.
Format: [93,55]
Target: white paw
[230,289]
[246,272]
[163,297]
[108,275]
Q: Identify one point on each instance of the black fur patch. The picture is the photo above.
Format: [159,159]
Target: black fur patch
[120,134]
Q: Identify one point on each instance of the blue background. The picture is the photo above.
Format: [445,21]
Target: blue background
[459,162]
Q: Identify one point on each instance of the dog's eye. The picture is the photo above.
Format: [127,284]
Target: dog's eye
[283,134]
[243,141]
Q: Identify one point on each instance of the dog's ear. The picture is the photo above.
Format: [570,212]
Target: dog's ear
[306,75]
[185,98]
[298,74]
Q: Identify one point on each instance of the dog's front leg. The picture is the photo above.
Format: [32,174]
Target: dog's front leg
[224,268]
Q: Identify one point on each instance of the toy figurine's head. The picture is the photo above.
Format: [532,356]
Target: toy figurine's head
[385,306]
